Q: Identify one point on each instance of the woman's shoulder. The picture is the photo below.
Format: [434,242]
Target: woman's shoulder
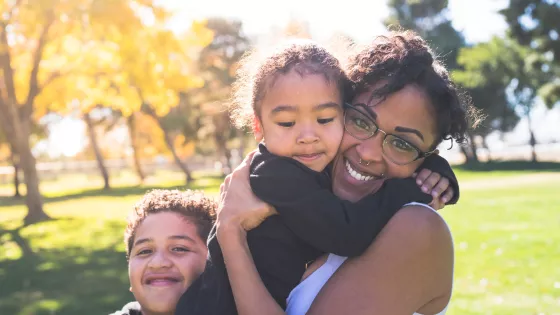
[418,219]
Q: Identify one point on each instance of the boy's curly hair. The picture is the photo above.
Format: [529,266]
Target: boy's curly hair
[192,205]
[258,70]
[402,58]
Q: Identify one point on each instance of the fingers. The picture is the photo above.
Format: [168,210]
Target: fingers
[440,187]
[448,194]
[422,176]
[436,204]
[429,182]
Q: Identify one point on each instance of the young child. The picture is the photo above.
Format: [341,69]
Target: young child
[166,248]
[295,98]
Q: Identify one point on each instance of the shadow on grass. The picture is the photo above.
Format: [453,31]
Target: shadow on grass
[510,166]
[68,277]
[197,184]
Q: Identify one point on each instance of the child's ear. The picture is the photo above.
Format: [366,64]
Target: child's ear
[436,152]
[257,129]
[130,289]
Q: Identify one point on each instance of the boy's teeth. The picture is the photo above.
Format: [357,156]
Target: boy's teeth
[355,174]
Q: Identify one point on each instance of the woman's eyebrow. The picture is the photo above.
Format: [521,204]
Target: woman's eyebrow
[410,130]
[368,110]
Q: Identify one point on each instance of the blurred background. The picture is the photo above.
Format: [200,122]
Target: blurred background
[102,100]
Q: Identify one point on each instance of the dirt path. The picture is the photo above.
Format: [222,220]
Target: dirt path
[511,181]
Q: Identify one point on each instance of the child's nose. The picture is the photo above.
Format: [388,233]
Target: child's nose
[307,135]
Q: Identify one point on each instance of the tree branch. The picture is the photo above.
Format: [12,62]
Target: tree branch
[6,64]
[37,57]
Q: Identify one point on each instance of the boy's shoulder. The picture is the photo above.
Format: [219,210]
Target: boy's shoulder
[132,308]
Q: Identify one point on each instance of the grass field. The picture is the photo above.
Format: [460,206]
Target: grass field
[506,233]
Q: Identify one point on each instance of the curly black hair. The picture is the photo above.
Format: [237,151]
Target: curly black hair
[259,68]
[401,58]
[192,205]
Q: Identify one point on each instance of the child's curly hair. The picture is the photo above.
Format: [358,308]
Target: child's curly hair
[402,58]
[258,70]
[192,205]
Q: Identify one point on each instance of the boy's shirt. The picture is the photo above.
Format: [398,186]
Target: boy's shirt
[132,308]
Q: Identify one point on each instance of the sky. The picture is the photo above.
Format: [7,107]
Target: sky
[362,20]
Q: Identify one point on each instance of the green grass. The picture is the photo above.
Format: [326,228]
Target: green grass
[506,242]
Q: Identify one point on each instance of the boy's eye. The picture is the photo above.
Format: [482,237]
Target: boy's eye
[144,252]
[324,121]
[180,249]
[286,124]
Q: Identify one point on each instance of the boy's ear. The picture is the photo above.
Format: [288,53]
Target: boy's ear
[257,129]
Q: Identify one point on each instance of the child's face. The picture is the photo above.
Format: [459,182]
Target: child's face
[166,257]
[301,117]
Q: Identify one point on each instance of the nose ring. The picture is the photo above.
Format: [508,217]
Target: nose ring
[366,164]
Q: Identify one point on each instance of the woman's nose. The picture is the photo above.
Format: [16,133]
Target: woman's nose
[371,149]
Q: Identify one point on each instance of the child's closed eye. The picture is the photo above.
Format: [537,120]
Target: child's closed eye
[286,124]
[324,121]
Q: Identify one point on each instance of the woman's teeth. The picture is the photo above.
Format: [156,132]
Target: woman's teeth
[355,174]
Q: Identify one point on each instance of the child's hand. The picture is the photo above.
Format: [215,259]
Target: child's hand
[432,183]
[238,206]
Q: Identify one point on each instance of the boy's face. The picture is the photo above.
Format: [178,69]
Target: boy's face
[301,117]
[166,257]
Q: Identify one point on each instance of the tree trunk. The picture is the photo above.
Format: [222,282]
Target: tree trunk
[131,121]
[97,151]
[169,142]
[473,149]
[485,146]
[532,140]
[15,163]
[171,147]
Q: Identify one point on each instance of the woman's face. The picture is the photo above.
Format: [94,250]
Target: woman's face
[407,114]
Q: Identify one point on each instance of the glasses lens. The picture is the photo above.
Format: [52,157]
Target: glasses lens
[399,150]
[358,124]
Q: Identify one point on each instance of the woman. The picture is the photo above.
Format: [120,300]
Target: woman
[400,93]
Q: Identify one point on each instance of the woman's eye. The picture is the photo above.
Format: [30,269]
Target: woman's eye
[325,121]
[402,145]
[286,124]
[360,123]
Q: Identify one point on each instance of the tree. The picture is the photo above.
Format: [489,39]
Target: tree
[534,24]
[34,40]
[503,79]
[158,70]
[430,19]
[217,64]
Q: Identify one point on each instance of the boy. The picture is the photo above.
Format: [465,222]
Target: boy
[166,248]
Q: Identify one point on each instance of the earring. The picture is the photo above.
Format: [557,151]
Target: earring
[360,162]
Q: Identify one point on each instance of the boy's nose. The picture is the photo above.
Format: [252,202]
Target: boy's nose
[160,260]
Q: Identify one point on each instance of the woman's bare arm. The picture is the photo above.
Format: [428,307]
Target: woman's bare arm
[407,269]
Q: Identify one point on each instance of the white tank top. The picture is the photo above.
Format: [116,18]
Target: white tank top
[300,299]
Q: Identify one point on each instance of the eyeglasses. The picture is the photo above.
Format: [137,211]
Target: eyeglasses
[362,127]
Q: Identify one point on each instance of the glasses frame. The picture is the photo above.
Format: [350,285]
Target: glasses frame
[421,154]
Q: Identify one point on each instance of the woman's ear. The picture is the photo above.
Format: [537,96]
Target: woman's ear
[257,129]
[436,152]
